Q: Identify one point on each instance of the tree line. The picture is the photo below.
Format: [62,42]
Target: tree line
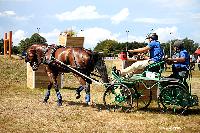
[24,44]
[113,48]
[108,47]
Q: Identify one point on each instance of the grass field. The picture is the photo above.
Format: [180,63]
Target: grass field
[22,110]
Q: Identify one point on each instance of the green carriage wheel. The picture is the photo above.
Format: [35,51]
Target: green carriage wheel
[118,96]
[142,98]
[174,98]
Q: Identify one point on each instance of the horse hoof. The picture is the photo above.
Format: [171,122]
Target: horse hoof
[59,103]
[89,104]
[78,96]
[45,101]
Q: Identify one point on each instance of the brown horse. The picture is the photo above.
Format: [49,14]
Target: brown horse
[60,59]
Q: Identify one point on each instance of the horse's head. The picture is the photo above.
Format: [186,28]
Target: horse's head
[35,54]
[100,66]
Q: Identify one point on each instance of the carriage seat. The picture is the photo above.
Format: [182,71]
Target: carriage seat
[154,68]
[152,71]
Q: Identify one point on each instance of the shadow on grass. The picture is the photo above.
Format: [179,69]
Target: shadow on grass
[122,109]
[190,111]
[69,88]
[102,107]
[99,107]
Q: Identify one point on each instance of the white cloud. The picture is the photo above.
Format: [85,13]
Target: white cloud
[131,38]
[157,20]
[18,36]
[164,34]
[95,35]
[12,14]
[121,16]
[167,33]
[52,36]
[81,13]
[92,36]
[7,13]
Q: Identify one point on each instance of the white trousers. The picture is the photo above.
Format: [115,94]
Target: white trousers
[136,66]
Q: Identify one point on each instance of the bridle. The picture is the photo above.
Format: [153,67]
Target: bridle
[32,57]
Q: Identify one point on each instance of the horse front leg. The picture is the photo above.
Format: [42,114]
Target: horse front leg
[49,74]
[48,92]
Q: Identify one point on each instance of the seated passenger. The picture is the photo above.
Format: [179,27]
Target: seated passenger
[180,61]
[156,54]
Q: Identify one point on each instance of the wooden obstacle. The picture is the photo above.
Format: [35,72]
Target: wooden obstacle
[8,44]
[39,78]
[70,41]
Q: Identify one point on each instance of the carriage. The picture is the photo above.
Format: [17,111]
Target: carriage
[121,92]
[125,92]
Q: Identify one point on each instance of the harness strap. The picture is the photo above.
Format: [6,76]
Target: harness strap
[75,59]
[51,56]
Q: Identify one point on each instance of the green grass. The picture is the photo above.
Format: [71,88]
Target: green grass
[22,110]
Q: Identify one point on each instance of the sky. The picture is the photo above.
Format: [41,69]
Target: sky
[97,20]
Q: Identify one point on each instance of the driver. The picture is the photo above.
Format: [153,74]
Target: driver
[156,54]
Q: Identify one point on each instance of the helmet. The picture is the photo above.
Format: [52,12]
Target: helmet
[178,44]
[153,36]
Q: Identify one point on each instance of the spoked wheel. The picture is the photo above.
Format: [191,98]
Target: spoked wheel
[142,97]
[174,98]
[117,97]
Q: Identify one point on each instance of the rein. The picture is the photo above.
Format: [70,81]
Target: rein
[76,71]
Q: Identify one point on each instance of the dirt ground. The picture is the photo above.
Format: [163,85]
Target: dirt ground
[22,110]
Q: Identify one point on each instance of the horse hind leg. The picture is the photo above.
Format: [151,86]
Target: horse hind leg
[87,91]
[47,93]
[58,94]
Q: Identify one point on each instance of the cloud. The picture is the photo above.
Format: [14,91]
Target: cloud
[92,36]
[7,13]
[157,20]
[121,16]
[12,14]
[18,36]
[81,13]
[167,33]
[52,36]
[95,35]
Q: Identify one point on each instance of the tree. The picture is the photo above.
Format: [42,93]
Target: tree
[15,50]
[112,47]
[188,44]
[107,47]
[34,39]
